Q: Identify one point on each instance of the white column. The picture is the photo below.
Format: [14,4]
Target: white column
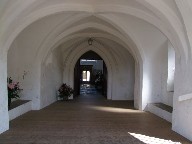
[4,117]
[182,110]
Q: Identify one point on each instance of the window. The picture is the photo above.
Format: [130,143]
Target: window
[86,76]
[171,68]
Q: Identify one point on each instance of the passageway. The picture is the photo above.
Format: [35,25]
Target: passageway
[90,75]
[145,45]
[89,119]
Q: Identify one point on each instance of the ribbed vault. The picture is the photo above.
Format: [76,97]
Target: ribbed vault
[128,34]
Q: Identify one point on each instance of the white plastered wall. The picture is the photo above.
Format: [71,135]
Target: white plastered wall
[51,77]
[182,114]
[4,119]
[23,69]
[154,45]
[183,72]
[23,64]
[168,71]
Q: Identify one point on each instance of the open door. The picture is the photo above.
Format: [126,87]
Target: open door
[90,75]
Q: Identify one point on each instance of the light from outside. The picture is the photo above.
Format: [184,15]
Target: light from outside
[85,60]
[152,140]
[86,76]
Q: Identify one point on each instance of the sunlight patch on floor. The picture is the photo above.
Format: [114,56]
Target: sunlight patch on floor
[152,140]
[114,110]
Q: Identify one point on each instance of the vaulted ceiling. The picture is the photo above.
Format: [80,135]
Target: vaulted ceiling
[110,19]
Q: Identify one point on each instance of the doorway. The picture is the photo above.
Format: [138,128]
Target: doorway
[90,75]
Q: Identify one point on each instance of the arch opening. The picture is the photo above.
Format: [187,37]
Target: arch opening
[166,23]
[90,75]
[120,70]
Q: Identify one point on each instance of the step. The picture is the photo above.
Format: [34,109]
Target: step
[162,110]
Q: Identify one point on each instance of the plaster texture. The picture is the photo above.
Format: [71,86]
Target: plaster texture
[51,78]
[4,117]
[132,37]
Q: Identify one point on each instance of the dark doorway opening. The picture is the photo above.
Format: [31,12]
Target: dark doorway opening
[90,75]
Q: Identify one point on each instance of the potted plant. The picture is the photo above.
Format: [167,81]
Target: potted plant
[13,90]
[65,91]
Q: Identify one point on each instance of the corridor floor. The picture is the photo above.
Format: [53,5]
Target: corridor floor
[90,119]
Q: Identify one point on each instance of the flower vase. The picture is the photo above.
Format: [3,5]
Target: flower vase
[65,98]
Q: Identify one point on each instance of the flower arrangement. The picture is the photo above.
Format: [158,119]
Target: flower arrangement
[65,91]
[13,90]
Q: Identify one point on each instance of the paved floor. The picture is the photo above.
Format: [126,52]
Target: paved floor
[88,89]
[90,119]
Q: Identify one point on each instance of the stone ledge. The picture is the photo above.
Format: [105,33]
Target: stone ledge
[17,103]
[185,97]
[18,108]
[160,110]
[164,107]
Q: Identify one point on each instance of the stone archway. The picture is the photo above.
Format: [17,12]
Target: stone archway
[167,22]
[73,58]
[113,64]
[95,62]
